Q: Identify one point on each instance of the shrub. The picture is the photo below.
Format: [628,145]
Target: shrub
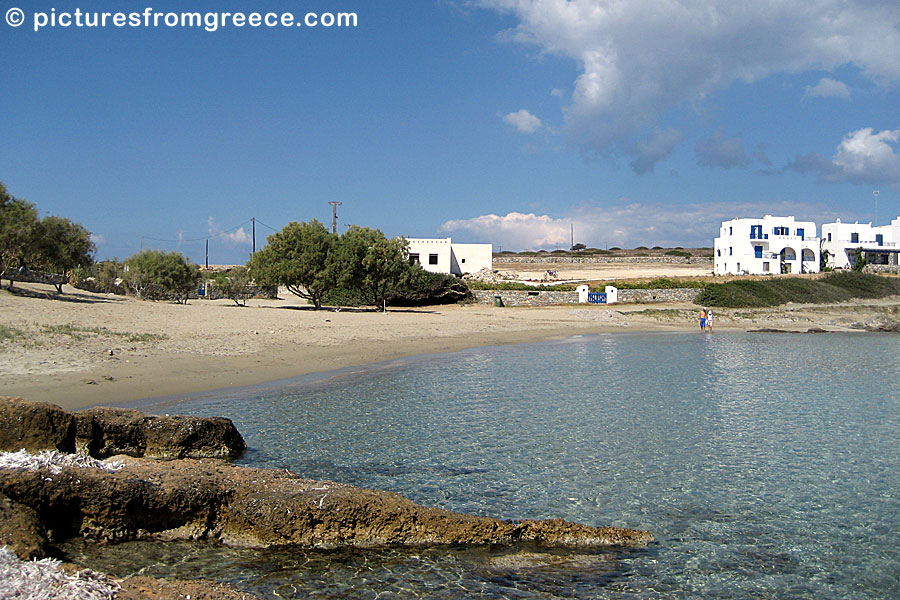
[153,274]
[420,288]
[234,284]
[681,253]
[834,287]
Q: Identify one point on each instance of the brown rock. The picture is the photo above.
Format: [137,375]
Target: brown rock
[105,431]
[187,499]
[35,426]
[21,530]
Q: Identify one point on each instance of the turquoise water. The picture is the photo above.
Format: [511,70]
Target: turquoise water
[766,466]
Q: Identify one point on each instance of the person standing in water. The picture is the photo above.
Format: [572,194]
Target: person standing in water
[702,318]
[709,320]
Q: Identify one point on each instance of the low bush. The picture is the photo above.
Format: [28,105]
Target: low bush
[834,287]
[422,289]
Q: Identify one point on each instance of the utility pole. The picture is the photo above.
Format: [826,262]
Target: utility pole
[253,222]
[875,193]
[334,206]
[572,236]
[207,254]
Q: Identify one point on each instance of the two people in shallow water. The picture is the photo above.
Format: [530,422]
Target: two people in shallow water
[706,319]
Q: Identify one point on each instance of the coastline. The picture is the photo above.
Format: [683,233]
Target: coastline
[83,349]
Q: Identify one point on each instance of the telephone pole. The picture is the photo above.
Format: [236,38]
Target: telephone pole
[334,206]
[253,221]
[875,193]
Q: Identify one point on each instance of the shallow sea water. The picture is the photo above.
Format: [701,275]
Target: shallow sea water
[766,466]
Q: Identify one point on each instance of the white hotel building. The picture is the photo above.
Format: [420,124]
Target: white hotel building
[766,246]
[842,243]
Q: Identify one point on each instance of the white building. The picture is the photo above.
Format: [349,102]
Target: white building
[842,242]
[769,245]
[441,255]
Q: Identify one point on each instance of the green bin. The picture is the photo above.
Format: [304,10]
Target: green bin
[498,301]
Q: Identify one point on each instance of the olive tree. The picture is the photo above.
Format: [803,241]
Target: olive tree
[235,284]
[61,246]
[154,274]
[301,258]
[373,264]
[19,226]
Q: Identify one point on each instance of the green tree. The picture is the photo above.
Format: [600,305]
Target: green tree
[373,264]
[19,227]
[234,284]
[299,257]
[107,275]
[155,274]
[61,246]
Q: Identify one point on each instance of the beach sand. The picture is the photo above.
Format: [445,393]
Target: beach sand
[83,349]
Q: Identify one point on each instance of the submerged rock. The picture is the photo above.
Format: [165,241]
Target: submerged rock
[191,499]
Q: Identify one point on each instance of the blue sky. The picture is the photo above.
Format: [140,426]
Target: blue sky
[503,121]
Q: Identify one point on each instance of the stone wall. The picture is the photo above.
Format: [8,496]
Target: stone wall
[693,260]
[666,295]
[548,298]
[881,269]
[525,298]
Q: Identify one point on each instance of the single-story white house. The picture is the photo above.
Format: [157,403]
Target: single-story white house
[769,245]
[441,255]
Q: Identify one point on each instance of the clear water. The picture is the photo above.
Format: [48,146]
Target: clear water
[766,466]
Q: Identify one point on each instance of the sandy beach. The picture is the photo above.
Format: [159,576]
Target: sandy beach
[83,349]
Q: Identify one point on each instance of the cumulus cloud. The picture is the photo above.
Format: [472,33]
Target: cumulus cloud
[656,148]
[621,223]
[642,58]
[235,236]
[514,230]
[722,152]
[862,157]
[828,88]
[523,121]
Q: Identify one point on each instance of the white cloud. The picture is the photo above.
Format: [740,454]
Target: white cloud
[862,157]
[514,230]
[97,239]
[236,236]
[828,88]
[722,152]
[621,223]
[642,58]
[523,120]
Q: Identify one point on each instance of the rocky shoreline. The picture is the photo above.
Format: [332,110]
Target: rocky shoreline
[194,494]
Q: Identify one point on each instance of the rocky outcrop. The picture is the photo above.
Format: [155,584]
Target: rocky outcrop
[102,432]
[190,499]
[21,530]
[105,431]
[35,426]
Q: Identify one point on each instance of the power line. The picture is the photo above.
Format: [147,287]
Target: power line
[202,239]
